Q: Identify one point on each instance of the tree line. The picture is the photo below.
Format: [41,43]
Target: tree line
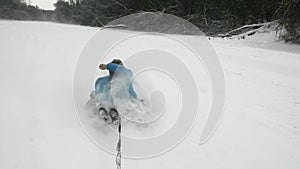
[20,10]
[211,16]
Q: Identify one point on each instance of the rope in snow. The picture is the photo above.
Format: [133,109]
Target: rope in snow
[118,157]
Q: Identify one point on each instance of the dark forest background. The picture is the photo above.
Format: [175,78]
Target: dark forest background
[212,16]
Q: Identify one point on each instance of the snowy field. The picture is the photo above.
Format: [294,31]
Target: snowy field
[260,128]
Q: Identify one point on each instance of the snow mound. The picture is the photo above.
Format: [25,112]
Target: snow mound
[156,22]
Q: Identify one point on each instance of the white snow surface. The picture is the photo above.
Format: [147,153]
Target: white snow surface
[39,129]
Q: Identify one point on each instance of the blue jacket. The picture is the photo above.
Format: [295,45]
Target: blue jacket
[119,70]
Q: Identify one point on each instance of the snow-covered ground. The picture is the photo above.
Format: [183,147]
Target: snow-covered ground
[38,126]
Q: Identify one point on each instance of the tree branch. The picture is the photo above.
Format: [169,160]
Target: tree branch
[122,5]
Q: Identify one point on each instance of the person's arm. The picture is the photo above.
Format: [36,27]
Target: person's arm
[113,67]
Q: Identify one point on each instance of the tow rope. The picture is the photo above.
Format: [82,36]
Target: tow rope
[118,157]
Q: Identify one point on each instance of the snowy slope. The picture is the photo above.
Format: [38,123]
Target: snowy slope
[38,126]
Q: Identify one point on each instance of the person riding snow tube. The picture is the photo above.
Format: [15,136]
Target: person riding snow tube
[103,87]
